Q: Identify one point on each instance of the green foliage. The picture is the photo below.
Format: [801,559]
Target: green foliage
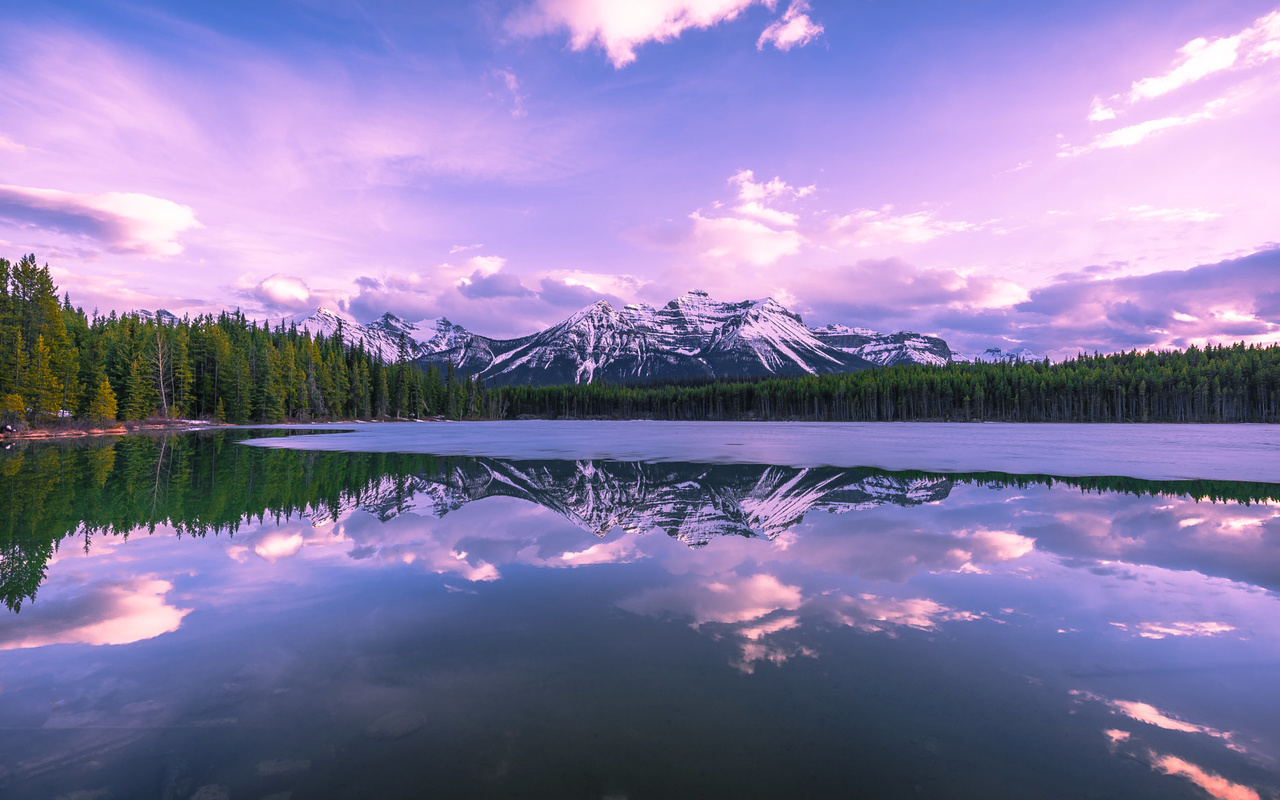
[103,405]
[194,484]
[53,357]
[1236,383]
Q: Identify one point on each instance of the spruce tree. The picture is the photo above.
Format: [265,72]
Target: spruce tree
[40,386]
[103,405]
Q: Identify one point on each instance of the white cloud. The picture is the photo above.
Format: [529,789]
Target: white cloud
[1202,57]
[794,29]
[749,240]
[1160,630]
[285,291]
[1133,134]
[1100,112]
[621,27]
[724,599]
[126,222]
[277,545]
[1153,214]
[8,144]
[486,265]
[751,190]
[756,232]
[865,227]
[769,216]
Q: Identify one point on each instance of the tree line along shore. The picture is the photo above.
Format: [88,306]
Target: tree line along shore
[202,484]
[59,366]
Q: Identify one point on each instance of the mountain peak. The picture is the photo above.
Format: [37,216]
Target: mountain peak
[692,336]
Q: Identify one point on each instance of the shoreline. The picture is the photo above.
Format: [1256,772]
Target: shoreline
[121,429]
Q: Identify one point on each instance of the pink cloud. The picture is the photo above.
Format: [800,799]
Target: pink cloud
[865,227]
[1201,57]
[1213,784]
[724,599]
[619,28]
[105,612]
[794,29]
[124,222]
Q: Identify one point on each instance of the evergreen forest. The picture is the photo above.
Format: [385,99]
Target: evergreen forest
[56,362]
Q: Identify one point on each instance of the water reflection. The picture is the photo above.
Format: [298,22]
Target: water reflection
[197,484]
[270,621]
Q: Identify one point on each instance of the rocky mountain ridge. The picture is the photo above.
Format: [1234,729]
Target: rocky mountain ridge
[692,336]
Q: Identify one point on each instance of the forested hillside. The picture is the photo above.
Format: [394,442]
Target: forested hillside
[1234,383]
[56,362]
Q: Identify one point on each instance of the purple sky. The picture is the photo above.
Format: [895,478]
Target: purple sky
[1097,175]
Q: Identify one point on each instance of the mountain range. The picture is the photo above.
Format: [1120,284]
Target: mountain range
[693,336]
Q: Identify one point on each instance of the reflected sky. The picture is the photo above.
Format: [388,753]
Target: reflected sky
[604,629]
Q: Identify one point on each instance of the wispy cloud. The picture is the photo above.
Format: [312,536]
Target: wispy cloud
[865,227]
[1134,134]
[512,84]
[1201,57]
[1153,214]
[794,29]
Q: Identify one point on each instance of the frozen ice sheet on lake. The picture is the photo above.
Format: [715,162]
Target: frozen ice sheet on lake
[1151,452]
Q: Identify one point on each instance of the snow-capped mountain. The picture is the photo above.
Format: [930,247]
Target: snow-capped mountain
[994,355]
[886,349]
[693,336]
[161,315]
[384,335]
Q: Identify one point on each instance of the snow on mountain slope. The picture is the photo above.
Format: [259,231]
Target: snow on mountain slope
[886,349]
[329,322]
[994,355]
[692,336]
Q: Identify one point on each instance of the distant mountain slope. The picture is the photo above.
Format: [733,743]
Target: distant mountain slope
[693,336]
[994,355]
[886,349]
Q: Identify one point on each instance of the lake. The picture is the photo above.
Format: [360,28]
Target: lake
[643,610]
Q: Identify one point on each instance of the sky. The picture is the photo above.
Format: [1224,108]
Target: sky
[1057,176]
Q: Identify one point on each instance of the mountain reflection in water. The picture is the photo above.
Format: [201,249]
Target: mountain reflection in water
[333,624]
[200,483]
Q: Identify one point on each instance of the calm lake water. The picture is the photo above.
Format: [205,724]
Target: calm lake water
[525,611]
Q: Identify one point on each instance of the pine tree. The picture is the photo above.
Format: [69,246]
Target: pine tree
[41,388]
[103,405]
[140,393]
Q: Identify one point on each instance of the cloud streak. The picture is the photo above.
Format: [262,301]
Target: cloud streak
[1202,57]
